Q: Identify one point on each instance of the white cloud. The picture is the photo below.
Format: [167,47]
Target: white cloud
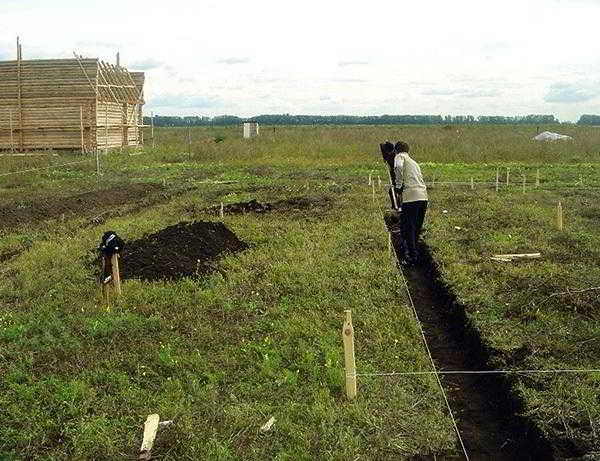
[271,56]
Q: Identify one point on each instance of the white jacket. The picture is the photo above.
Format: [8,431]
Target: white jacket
[408,172]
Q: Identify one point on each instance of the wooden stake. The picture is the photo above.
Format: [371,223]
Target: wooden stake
[116,275]
[497,178]
[507,174]
[472,184]
[559,216]
[537,178]
[106,128]
[222,211]
[369,179]
[350,364]
[150,430]
[190,140]
[152,127]
[81,128]
[378,181]
[10,121]
[19,95]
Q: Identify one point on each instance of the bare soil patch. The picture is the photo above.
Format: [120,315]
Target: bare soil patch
[85,204]
[186,249]
[292,204]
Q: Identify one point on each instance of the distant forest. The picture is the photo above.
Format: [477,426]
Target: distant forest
[287,119]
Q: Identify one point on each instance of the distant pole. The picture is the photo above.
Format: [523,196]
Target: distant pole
[152,127]
[118,59]
[559,216]
[349,360]
[81,129]
[10,121]
[190,141]
[106,129]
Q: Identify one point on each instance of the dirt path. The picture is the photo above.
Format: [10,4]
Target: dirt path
[484,406]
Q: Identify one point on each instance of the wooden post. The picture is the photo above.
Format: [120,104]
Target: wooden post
[10,122]
[559,216]
[189,134]
[472,184]
[116,275]
[150,430]
[350,364]
[497,178]
[537,178]
[507,175]
[106,128]
[152,127]
[81,129]
[19,95]
[222,211]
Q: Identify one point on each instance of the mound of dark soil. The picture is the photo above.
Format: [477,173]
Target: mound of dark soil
[89,203]
[185,249]
[254,206]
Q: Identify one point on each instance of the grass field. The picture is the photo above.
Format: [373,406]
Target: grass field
[261,336]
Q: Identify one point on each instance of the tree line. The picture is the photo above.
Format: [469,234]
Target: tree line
[287,119]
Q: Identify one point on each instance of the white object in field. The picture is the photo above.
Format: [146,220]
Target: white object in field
[150,429]
[267,426]
[250,129]
[512,257]
[549,136]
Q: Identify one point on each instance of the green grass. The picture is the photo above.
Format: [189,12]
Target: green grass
[261,337]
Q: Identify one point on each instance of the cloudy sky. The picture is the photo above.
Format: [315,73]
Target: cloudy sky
[212,57]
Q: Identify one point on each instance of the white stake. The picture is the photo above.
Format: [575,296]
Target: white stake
[370,179]
[472,184]
[349,360]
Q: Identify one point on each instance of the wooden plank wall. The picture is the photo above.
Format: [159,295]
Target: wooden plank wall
[43,101]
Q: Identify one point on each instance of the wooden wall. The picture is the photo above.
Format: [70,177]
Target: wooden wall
[60,103]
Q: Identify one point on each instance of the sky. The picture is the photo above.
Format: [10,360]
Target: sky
[326,57]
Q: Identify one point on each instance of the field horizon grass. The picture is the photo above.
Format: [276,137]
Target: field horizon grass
[261,336]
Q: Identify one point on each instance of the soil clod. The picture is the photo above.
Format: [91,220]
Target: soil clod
[186,249]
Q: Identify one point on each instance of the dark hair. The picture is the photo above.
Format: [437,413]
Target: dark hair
[401,146]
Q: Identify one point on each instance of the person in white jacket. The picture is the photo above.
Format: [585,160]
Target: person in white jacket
[408,181]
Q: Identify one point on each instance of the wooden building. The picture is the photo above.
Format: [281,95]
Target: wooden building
[83,104]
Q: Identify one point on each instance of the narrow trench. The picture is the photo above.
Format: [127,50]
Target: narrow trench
[486,409]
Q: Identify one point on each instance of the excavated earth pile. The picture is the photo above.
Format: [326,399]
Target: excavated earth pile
[186,249]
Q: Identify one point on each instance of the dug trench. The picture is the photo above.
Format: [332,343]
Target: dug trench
[489,413]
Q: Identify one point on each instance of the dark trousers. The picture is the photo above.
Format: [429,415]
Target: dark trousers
[413,214]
